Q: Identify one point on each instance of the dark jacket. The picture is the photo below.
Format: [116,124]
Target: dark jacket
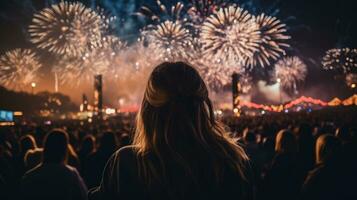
[121,180]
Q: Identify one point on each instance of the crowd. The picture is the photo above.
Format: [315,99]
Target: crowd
[305,155]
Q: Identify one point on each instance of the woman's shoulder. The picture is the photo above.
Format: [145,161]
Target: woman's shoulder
[127,151]
[123,155]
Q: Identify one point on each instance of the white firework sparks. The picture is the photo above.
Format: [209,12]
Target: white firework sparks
[170,41]
[351,79]
[99,60]
[230,34]
[66,28]
[290,71]
[18,69]
[175,13]
[273,41]
[244,83]
[215,74]
[344,60]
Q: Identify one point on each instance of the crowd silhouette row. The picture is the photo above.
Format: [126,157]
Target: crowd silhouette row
[176,149]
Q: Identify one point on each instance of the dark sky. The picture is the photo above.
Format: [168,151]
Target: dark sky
[315,26]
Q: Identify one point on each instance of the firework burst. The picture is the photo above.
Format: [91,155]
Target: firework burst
[66,29]
[245,83]
[344,60]
[99,60]
[290,71]
[199,10]
[351,79]
[164,14]
[230,34]
[170,40]
[215,74]
[18,68]
[273,41]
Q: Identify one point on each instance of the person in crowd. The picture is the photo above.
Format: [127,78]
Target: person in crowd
[87,149]
[96,162]
[53,178]
[285,176]
[324,181]
[7,171]
[27,142]
[250,143]
[343,133]
[179,150]
[305,146]
[32,158]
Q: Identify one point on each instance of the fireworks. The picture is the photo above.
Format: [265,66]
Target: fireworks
[216,74]
[174,14]
[99,60]
[344,60]
[245,83]
[18,68]
[290,71]
[66,28]
[170,40]
[75,71]
[351,79]
[272,44]
[201,9]
[230,34]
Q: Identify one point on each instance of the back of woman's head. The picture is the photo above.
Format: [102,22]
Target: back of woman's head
[327,146]
[177,124]
[285,142]
[55,146]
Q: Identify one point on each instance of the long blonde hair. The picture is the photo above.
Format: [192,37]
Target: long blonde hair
[176,123]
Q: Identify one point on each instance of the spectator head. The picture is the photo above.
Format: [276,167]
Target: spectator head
[27,142]
[326,148]
[88,144]
[55,147]
[285,142]
[176,119]
[108,141]
[343,133]
[248,136]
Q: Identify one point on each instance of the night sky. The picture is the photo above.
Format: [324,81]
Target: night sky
[315,26]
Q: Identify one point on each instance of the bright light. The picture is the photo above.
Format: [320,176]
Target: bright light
[33,84]
[110,111]
[263,112]
[353,85]
[18,113]
[278,80]
[235,110]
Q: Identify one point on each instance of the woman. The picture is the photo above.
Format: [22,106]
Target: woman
[53,179]
[179,150]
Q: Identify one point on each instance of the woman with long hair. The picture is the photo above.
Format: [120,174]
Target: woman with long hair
[179,150]
[53,178]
